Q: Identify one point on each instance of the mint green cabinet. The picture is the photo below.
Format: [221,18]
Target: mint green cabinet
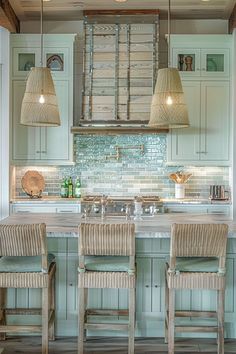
[52,145]
[43,145]
[207,140]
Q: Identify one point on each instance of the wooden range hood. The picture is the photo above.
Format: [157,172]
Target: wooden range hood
[130,91]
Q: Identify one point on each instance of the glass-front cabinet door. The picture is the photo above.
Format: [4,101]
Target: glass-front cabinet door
[25,59]
[215,62]
[187,61]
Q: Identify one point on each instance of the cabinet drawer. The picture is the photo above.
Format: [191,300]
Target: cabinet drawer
[55,208]
[224,210]
[33,209]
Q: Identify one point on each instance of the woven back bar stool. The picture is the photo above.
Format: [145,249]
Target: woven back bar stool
[106,272]
[197,261]
[25,263]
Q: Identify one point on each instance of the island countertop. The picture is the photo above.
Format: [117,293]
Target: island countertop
[157,226]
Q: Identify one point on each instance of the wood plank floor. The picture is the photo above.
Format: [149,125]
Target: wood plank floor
[68,345]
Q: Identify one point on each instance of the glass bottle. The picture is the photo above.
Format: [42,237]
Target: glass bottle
[77,193]
[64,188]
[70,188]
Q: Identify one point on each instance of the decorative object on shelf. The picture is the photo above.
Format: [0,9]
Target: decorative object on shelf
[33,184]
[55,62]
[39,105]
[168,108]
[180,178]
[28,65]
[189,63]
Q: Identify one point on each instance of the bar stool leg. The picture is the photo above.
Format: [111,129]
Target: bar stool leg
[85,313]
[3,293]
[171,324]
[45,316]
[220,313]
[131,320]
[81,298]
[51,333]
[166,309]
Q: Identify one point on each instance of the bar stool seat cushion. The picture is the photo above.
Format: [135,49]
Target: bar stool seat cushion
[197,264]
[107,264]
[20,264]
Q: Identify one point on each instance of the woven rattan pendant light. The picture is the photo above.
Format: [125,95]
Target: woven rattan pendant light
[39,106]
[168,108]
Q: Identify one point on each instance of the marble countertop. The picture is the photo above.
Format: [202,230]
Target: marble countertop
[59,200]
[45,200]
[158,226]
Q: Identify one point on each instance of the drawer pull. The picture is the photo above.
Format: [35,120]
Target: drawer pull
[146,286]
[23,211]
[65,211]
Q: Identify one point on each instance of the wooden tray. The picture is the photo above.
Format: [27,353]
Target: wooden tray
[33,184]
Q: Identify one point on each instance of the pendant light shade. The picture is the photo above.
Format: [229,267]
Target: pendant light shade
[168,108]
[39,106]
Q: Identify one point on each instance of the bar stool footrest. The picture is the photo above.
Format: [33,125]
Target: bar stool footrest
[106,326]
[199,329]
[106,312]
[206,314]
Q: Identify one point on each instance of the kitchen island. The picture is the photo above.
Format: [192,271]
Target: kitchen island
[152,248]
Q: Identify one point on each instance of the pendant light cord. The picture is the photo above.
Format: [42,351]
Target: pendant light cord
[168,35]
[41,33]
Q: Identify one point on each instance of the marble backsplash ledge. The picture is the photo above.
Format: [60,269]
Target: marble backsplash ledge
[137,171]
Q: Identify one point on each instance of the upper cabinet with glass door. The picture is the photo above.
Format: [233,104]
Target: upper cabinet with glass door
[201,56]
[56,55]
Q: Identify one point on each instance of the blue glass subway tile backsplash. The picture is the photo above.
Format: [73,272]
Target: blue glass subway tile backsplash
[137,171]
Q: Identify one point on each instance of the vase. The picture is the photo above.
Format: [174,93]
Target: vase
[179,190]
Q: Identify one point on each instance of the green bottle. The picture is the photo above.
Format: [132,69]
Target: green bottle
[64,188]
[77,188]
[70,188]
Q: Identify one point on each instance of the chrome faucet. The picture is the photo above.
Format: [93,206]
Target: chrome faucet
[104,202]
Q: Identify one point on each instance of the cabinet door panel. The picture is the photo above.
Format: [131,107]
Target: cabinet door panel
[26,140]
[215,63]
[187,61]
[184,143]
[55,140]
[144,286]
[215,120]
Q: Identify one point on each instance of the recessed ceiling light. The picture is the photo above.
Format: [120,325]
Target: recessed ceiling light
[120,0]
[205,0]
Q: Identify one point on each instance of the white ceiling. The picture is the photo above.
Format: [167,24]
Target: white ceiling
[71,9]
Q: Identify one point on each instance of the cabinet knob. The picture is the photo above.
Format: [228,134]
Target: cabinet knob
[203,69]
[157,286]
[146,286]
[44,152]
[38,152]
[198,69]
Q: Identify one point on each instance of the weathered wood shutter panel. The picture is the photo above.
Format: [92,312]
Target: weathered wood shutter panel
[120,68]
